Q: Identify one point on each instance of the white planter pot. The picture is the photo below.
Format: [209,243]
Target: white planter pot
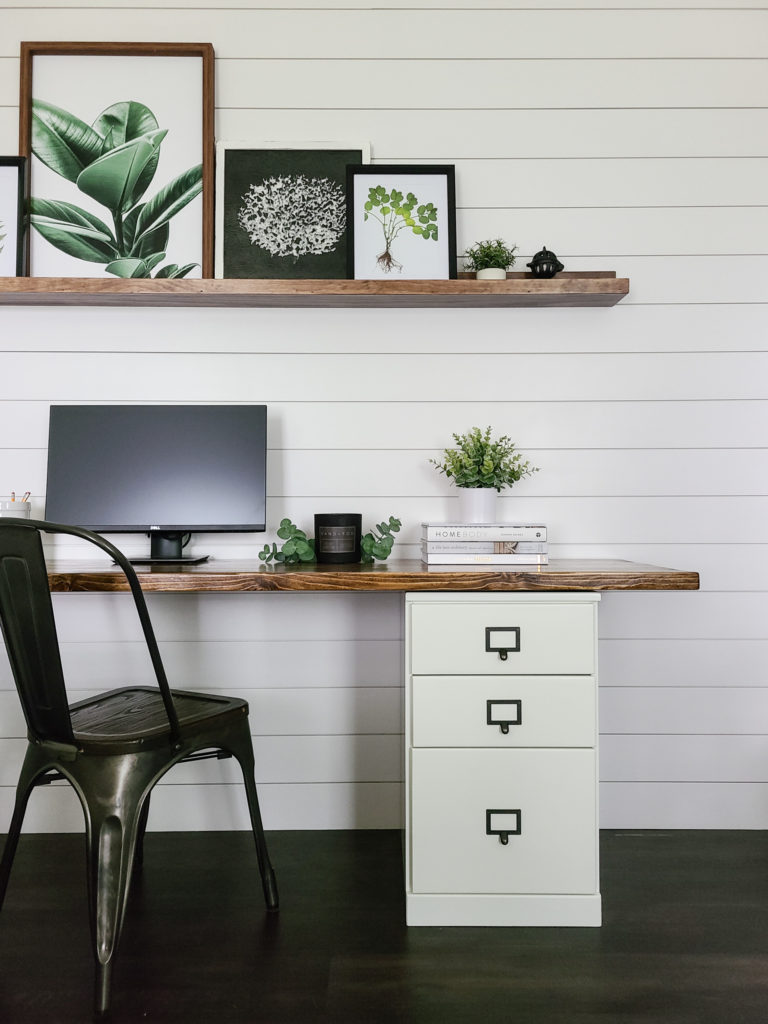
[491,274]
[477,504]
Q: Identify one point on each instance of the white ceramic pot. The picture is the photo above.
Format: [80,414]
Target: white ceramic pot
[491,274]
[477,504]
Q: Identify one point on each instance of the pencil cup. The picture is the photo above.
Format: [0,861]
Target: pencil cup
[15,509]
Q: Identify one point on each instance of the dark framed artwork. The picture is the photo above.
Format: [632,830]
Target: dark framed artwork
[401,221]
[281,208]
[12,216]
[119,140]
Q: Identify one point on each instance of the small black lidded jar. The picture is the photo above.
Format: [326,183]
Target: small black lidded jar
[337,536]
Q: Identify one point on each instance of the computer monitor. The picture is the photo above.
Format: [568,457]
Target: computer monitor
[165,470]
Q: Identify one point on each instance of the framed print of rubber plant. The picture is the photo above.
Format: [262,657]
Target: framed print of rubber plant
[12,235]
[281,208]
[119,138]
[401,221]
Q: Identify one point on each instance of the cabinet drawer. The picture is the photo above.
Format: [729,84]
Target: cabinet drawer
[502,639]
[463,801]
[517,711]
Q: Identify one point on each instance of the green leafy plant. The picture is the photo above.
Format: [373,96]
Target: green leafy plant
[492,252]
[297,547]
[378,543]
[396,213]
[113,161]
[480,461]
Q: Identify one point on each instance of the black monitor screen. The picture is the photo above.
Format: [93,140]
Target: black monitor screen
[160,469]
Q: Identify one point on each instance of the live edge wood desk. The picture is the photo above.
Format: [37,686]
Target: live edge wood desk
[501,801]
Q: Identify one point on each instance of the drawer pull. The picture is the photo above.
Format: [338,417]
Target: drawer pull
[505,709]
[509,824]
[510,644]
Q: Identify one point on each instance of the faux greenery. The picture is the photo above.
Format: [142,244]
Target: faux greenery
[378,543]
[395,213]
[492,252]
[480,461]
[113,161]
[297,547]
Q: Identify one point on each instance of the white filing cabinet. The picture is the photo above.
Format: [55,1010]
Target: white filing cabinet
[501,759]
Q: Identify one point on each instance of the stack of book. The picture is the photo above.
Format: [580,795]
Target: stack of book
[483,544]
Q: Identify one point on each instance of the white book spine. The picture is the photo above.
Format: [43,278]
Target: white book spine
[485,547]
[497,531]
[459,559]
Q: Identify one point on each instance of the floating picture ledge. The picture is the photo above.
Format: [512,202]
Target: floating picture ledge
[570,288]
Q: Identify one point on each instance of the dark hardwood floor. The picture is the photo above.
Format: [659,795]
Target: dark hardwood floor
[684,940]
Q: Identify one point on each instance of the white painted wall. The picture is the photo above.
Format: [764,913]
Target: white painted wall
[624,138]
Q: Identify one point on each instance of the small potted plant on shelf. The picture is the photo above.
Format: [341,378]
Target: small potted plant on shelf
[481,466]
[490,259]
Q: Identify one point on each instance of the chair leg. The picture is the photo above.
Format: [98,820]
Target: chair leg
[112,802]
[33,766]
[243,751]
[138,856]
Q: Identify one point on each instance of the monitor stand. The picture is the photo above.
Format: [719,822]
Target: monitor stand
[165,549]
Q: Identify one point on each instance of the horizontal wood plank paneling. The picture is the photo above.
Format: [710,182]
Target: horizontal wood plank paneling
[708,805]
[684,758]
[315,760]
[596,472]
[464,134]
[219,377]
[710,661]
[480,34]
[503,83]
[582,521]
[371,426]
[222,807]
[395,333]
[232,617]
[626,137]
[343,710]
[686,711]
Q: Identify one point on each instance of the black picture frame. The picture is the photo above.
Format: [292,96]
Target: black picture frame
[13,233]
[281,208]
[394,250]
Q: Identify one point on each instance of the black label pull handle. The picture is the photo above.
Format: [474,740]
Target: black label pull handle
[502,645]
[503,822]
[504,713]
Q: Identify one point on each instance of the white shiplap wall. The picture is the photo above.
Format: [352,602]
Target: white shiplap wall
[624,137]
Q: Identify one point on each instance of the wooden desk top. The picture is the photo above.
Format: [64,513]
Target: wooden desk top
[396,575]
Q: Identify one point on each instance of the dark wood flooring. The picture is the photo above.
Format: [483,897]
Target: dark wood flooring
[684,940]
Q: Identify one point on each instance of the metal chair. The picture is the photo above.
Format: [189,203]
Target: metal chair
[112,748]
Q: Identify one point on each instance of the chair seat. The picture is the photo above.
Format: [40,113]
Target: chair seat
[134,718]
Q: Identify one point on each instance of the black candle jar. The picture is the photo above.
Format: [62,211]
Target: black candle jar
[337,536]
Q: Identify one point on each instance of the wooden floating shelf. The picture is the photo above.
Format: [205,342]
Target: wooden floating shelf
[570,288]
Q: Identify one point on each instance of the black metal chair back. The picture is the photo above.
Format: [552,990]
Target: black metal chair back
[29,631]
[29,628]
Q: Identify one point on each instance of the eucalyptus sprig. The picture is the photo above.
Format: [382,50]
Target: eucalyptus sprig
[297,547]
[479,461]
[378,543]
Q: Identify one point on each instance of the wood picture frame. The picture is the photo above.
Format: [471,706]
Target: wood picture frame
[12,216]
[136,192]
[401,221]
[281,208]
